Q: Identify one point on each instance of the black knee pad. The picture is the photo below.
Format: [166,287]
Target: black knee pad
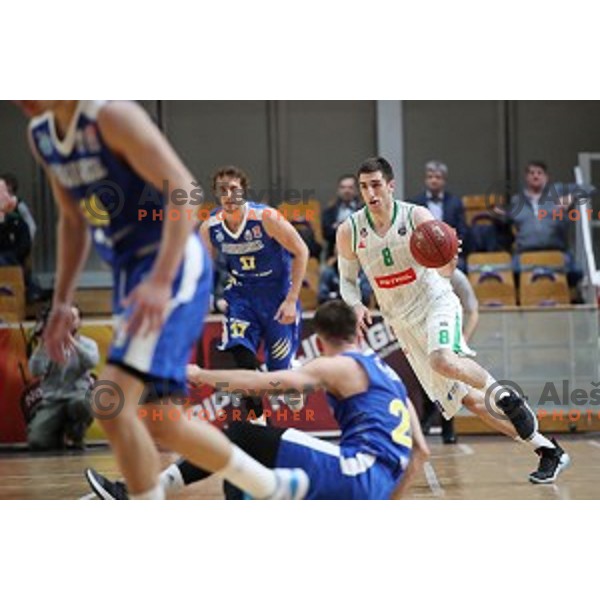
[519,414]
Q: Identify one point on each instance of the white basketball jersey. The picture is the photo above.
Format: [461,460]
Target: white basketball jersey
[404,289]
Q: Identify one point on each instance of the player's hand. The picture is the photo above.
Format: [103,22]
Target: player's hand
[363,317]
[222,305]
[149,300]
[193,375]
[57,337]
[286,313]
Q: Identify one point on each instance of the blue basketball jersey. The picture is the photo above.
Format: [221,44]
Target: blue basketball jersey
[376,421]
[109,192]
[253,258]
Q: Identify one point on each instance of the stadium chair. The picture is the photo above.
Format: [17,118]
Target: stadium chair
[477,208]
[310,286]
[12,294]
[544,287]
[491,276]
[544,258]
[309,210]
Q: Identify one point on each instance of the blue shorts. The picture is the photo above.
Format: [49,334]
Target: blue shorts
[161,357]
[250,320]
[336,472]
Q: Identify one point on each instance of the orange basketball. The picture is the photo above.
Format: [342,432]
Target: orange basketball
[434,244]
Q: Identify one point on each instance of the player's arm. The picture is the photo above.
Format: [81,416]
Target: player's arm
[205,235]
[282,231]
[422,215]
[349,269]
[303,380]
[73,245]
[129,132]
[420,455]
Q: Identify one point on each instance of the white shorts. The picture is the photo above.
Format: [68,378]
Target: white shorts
[439,327]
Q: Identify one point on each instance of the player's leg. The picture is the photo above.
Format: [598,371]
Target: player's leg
[115,400]
[207,447]
[261,443]
[484,395]
[242,333]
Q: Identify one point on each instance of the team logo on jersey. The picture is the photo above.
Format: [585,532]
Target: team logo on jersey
[364,232]
[395,280]
[219,237]
[45,144]
[402,230]
[248,235]
[281,348]
[256,230]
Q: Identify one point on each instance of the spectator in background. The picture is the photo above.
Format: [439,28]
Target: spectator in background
[12,185]
[346,202]
[444,206]
[531,213]
[329,283]
[64,414]
[15,239]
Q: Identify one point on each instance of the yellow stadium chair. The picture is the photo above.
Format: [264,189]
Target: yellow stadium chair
[491,276]
[12,294]
[310,287]
[544,290]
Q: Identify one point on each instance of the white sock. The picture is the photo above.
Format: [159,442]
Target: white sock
[156,493]
[171,479]
[540,441]
[249,475]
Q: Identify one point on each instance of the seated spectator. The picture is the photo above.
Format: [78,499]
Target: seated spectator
[15,238]
[12,184]
[345,203]
[307,233]
[531,213]
[443,205]
[64,413]
[329,283]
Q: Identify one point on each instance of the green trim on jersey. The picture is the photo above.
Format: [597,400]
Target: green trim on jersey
[456,348]
[354,234]
[370,218]
[410,218]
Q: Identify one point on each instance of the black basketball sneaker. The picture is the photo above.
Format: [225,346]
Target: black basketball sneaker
[104,488]
[552,462]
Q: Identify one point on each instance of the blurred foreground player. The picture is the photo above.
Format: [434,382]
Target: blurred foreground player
[378,424]
[425,315]
[104,162]
[266,262]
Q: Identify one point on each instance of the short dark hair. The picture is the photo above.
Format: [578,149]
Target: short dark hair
[335,321]
[11,181]
[374,164]
[231,171]
[540,164]
[347,176]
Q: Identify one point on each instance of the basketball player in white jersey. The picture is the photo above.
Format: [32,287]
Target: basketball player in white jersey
[425,315]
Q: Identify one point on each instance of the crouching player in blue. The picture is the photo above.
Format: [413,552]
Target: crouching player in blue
[266,260]
[104,161]
[378,424]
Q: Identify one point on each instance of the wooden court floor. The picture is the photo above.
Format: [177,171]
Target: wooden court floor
[479,467]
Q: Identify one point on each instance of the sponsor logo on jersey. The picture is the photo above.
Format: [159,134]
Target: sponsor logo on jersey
[243,248]
[395,280]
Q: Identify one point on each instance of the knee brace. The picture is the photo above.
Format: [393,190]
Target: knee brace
[519,414]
